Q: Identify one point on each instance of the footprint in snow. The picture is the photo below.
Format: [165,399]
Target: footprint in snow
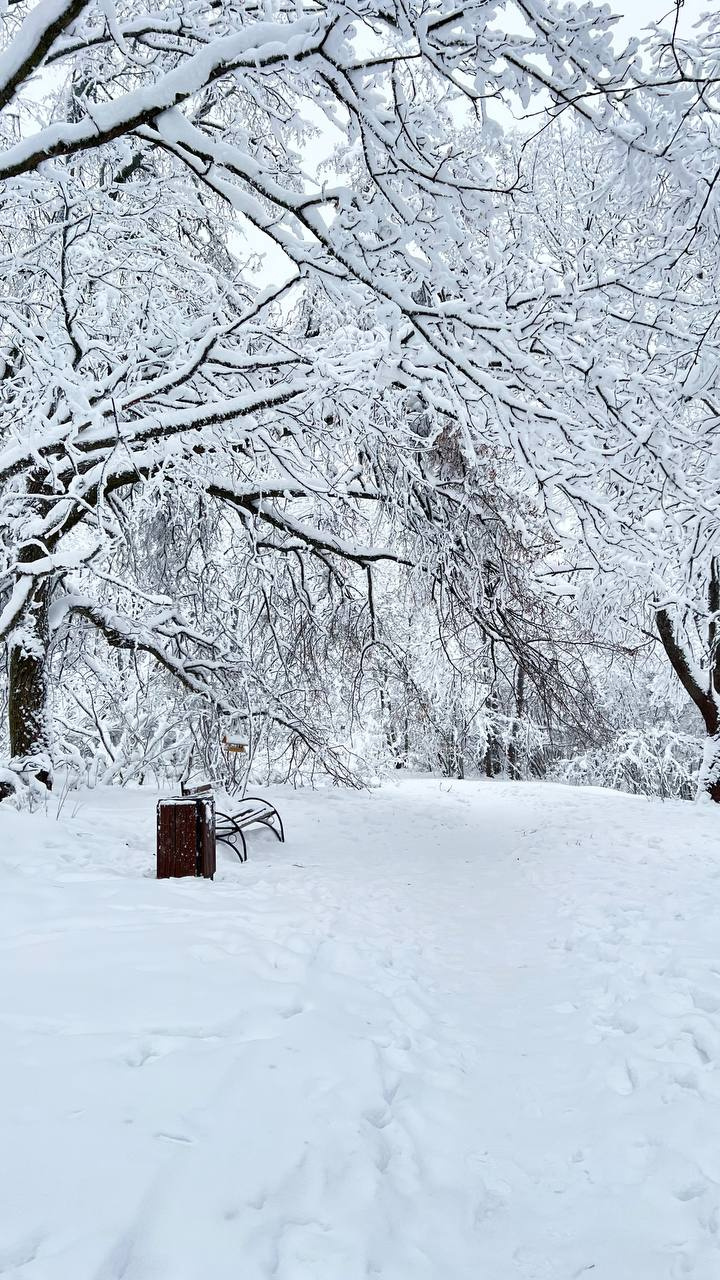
[692,1191]
[378,1117]
[707,1001]
[618,1021]
[687,1080]
[140,1054]
[701,1045]
[21,1253]
[623,1079]
[292,1010]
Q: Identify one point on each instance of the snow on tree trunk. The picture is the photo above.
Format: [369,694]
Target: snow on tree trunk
[709,776]
[701,685]
[28,706]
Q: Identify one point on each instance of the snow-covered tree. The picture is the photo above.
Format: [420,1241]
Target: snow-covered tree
[263,256]
[132,347]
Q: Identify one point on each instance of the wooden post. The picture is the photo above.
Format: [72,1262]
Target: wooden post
[186,837]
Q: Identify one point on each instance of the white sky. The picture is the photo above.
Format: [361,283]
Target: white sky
[638,13]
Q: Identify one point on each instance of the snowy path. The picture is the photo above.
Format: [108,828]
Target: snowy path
[447,1032]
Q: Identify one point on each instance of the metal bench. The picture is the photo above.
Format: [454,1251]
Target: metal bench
[253,810]
[230,827]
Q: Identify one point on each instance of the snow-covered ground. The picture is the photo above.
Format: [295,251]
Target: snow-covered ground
[460,1031]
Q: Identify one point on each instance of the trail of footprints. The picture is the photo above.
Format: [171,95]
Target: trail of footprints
[655,1016]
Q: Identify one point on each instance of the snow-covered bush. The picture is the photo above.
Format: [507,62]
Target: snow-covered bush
[651,762]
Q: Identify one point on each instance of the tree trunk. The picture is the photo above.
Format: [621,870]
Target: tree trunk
[709,778]
[28,710]
[513,754]
[492,749]
[705,699]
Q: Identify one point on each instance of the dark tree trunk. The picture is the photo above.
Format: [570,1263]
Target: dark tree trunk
[492,762]
[513,760]
[706,699]
[28,710]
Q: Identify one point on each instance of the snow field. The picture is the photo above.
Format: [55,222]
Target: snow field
[449,1031]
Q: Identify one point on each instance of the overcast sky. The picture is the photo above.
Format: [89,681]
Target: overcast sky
[639,12]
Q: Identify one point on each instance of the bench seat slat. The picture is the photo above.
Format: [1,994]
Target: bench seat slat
[230,826]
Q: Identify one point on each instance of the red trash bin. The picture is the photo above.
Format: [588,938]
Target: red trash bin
[186,837]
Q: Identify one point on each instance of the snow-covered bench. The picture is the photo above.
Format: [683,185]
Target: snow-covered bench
[253,810]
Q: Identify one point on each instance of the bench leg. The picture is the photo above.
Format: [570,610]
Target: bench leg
[267,822]
[244,855]
[229,837]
